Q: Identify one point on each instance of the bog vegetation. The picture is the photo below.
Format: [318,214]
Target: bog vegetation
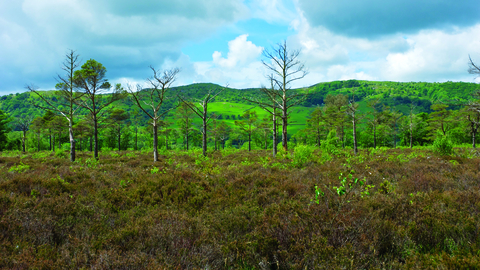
[369,175]
[234,209]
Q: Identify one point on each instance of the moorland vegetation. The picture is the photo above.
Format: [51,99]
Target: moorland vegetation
[376,175]
[309,208]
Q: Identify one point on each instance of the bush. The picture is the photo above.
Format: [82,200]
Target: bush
[330,145]
[443,145]
[302,155]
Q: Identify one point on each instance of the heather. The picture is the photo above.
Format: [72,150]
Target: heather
[309,208]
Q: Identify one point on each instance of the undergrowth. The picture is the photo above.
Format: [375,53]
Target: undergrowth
[308,209]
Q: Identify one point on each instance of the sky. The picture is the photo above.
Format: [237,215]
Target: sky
[222,41]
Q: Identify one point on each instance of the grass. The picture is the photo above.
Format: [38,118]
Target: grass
[241,210]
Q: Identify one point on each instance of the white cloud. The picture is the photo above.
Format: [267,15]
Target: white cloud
[125,36]
[430,55]
[435,55]
[240,52]
[241,68]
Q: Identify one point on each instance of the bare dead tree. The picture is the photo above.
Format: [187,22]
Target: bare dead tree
[473,68]
[67,99]
[272,109]
[285,68]
[202,112]
[150,100]
[474,106]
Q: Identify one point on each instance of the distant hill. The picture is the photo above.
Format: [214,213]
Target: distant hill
[398,94]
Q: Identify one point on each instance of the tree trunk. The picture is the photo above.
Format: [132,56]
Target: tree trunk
[274,137]
[265,138]
[95,136]
[249,140]
[53,142]
[411,139]
[155,141]
[136,138]
[119,134]
[284,130]
[355,149]
[186,138]
[204,139]
[374,136]
[166,141]
[23,141]
[474,132]
[38,142]
[72,141]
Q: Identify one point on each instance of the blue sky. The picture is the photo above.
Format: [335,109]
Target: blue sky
[221,41]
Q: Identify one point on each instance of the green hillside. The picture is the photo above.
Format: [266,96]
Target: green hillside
[231,102]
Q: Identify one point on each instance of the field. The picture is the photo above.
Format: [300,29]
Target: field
[308,209]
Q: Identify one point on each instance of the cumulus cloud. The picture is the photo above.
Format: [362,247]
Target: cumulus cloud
[429,55]
[241,68]
[240,52]
[374,18]
[125,36]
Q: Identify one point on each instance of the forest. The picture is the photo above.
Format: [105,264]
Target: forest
[339,175]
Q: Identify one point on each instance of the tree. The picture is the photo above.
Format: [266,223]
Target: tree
[411,123]
[473,68]
[23,124]
[202,112]
[272,108]
[377,118]
[166,131]
[67,102]
[440,119]
[47,118]
[351,111]
[84,130]
[394,115]
[264,126]
[223,132]
[57,125]
[38,124]
[4,129]
[97,93]
[136,119]
[247,125]
[185,115]
[285,68]
[473,107]
[315,124]
[116,121]
[335,114]
[150,101]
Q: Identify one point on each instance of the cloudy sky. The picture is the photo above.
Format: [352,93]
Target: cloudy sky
[221,41]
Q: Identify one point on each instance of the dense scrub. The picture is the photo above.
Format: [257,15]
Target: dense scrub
[383,209]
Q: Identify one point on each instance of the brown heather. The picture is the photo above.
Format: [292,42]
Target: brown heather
[240,210]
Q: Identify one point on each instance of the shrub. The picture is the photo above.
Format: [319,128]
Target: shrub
[443,145]
[330,145]
[302,155]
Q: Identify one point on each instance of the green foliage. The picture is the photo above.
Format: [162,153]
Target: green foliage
[91,163]
[443,145]
[330,144]
[302,155]
[318,193]
[19,168]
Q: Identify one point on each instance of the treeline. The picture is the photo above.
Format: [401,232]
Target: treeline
[88,113]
